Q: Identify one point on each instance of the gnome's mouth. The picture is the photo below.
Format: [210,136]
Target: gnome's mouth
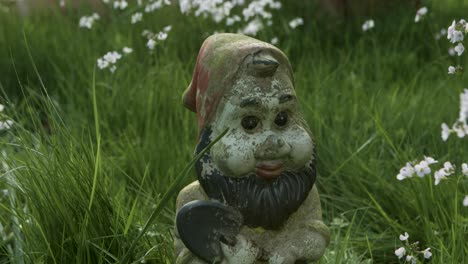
[269,170]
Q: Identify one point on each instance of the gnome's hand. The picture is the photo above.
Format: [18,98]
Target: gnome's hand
[243,252]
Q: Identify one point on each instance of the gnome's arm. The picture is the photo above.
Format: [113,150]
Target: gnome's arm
[242,252]
[190,193]
[304,237]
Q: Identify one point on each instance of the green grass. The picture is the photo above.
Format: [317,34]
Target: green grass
[92,155]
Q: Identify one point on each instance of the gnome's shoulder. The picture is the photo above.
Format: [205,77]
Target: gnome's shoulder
[190,193]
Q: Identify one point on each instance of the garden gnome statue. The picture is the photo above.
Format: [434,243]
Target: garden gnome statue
[255,199]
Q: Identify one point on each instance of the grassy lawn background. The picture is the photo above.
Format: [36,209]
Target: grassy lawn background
[92,153]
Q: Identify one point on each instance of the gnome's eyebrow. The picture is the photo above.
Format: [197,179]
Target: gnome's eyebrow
[249,102]
[286,98]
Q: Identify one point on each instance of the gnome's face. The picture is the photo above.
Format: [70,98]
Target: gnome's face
[267,134]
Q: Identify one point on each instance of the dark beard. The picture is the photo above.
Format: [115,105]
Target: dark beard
[262,203]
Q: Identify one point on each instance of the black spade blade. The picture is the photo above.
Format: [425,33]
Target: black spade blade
[203,224]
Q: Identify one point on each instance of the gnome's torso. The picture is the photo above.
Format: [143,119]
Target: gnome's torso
[303,236]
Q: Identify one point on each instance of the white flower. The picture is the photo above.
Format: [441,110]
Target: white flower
[2,107]
[275,5]
[127,50]
[5,125]
[463,117]
[411,259]
[102,64]
[86,22]
[147,33]
[109,59]
[150,44]
[406,172]
[229,21]
[185,6]
[459,49]
[459,130]
[427,253]
[453,34]
[445,132]
[401,252]
[451,52]
[274,41]
[219,10]
[451,70]
[439,175]
[162,35]
[449,168]
[400,177]
[430,160]
[450,30]
[369,24]
[422,11]
[137,17]
[112,57]
[258,9]
[420,14]
[151,6]
[422,168]
[465,169]
[167,28]
[298,21]
[465,201]
[441,33]
[404,237]
[122,4]
[252,27]
[113,68]
[442,174]
[457,36]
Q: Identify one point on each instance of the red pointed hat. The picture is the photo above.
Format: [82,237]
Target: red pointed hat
[218,63]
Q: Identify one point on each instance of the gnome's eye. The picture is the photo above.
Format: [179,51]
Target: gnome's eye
[250,122]
[281,119]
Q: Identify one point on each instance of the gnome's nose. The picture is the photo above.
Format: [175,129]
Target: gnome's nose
[273,148]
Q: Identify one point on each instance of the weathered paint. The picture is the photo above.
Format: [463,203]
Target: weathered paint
[218,62]
[224,77]
[237,153]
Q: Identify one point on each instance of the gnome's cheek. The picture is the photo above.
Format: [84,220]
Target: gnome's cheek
[233,160]
[302,146]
